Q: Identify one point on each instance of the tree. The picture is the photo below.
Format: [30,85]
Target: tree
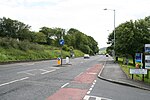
[131,37]
[13,28]
[39,37]
[81,41]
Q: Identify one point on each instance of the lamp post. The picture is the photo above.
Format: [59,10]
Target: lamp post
[114,26]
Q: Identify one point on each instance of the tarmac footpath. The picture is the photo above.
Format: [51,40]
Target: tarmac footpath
[112,72]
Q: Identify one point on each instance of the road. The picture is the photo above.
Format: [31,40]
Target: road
[43,80]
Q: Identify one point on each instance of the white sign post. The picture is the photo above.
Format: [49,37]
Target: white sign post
[138,71]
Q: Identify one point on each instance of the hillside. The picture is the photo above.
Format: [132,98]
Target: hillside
[102,50]
[12,50]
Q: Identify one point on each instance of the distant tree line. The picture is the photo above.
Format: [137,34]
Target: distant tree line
[74,39]
[130,37]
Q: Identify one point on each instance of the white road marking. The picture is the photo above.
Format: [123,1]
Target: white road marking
[55,67]
[64,85]
[88,68]
[91,87]
[79,75]
[28,72]
[44,71]
[14,81]
[88,92]
[87,97]
[92,73]
[48,71]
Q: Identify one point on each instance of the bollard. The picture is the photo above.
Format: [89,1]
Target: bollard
[58,61]
[67,60]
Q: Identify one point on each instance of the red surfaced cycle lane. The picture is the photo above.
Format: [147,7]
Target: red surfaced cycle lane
[77,93]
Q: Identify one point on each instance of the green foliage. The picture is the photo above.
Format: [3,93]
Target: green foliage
[13,50]
[66,48]
[13,28]
[78,53]
[81,41]
[22,45]
[39,37]
[16,35]
[130,37]
[126,69]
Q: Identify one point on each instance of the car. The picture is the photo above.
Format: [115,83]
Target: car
[106,55]
[86,56]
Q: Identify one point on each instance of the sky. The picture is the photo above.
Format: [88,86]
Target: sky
[87,16]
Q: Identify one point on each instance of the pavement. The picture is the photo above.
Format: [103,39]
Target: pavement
[112,72]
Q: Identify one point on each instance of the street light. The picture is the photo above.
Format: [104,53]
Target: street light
[114,26]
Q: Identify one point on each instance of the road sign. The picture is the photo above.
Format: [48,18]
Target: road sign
[147,61]
[61,42]
[147,48]
[138,71]
[147,56]
[138,57]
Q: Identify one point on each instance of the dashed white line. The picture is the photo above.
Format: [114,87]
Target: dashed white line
[91,87]
[65,85]
[14,81]
[88,92]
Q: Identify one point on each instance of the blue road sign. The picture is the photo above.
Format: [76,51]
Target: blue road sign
[61,42]
[138,57]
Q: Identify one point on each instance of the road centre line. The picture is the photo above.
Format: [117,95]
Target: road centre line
[14,81]
[64,85]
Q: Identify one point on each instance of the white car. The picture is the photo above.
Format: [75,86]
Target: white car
[86,56]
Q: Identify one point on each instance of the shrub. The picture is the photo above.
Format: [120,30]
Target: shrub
[66,48]
[24,45]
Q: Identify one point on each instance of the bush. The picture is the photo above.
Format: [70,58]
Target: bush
[13,50]
[24,45]
[5,43]
[66,48]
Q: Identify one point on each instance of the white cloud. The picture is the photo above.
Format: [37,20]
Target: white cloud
[87,16]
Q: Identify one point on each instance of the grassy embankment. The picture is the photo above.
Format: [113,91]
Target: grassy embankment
[126,69]
[9,55]
[12,50]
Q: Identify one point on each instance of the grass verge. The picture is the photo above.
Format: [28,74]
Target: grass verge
[47,52]
[126,69]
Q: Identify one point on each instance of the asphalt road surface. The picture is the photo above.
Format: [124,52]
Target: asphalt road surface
[43,80]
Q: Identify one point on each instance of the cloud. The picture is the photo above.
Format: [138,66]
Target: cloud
[87,16]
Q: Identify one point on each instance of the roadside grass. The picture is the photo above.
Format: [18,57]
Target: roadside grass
[126,69]
[47,52]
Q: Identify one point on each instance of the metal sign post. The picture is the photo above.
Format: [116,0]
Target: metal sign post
[61,42]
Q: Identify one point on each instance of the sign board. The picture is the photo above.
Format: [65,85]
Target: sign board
[138,71]
[61,42]
[147,56]
[147,48]
[138,57]
[147,61]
